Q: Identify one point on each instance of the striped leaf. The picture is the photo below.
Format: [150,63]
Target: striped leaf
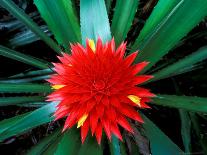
[94,20]
[25,88]
[21,123]
[19,13]
[6,52]
[123,18]
[6,101]
[197,104]
[61,20]
[182,65]
[174,26]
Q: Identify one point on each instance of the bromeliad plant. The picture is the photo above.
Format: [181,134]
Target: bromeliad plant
[96,84]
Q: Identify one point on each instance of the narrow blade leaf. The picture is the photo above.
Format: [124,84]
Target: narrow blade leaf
[5,101]
[123,18]
[25,88]
[185,63]
[197,104]
[22,123]
[19,13]
[175,25]
[4,51]
[61,20]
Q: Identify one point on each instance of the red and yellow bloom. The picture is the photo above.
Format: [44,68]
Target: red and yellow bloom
[97,89]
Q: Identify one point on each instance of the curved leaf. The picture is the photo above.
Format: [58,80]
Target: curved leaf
[123,18]
[185,63]
[19,13]
[4,51]
[175,25]
[61,20]
[24,122]
[197,104]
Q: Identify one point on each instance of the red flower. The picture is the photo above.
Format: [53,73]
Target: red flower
[97,89]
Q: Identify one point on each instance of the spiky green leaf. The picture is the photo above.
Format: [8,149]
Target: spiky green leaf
[6,52]
[197,104]
[25,88]
[22,123]
[19,13]
[61,20]
[178,21]
[123,18]
[5,101]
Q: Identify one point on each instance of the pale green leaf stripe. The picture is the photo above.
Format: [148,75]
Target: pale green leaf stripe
[21,123]
[5,101]
[174,26]
[25,88]
[123,16]
[165,146]
[6,52]
[185,129]
[18,13]
[179,66]
[197,104]
[94,20]
[33,73]
[70,140]
[26,80]
[61,20]
[160,11]
[44,143]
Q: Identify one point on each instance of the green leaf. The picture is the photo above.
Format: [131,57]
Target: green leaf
[175,25]
[185,130]
[70,143]
[123,18]
[197,104]
[26,80]
[4,51]
[21,123]
[33,73]
[94,20]
[115,146]
[186,63]
[24,88]
[5,101]
[44,143]
[90,147]
[26,37]
[160,143]
[60,19]
[160,11]
[19,13]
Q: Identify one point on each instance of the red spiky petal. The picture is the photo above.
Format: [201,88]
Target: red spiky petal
[97,89]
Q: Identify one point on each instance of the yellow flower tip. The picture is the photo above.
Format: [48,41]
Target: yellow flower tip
[82,120]
[92,44]
[70,65]
[135,99]
[58,86]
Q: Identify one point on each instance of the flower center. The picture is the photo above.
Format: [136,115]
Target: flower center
[99,85]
